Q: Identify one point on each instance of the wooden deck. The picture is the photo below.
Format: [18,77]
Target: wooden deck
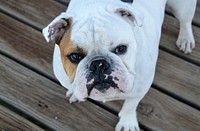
[32,99]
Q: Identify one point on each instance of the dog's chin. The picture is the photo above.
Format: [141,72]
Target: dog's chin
[107,94]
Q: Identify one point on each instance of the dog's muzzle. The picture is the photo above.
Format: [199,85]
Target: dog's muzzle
[100,76]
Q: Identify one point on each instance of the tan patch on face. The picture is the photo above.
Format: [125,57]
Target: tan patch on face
[66,48]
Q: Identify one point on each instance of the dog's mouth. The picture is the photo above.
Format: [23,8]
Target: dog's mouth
[101,86]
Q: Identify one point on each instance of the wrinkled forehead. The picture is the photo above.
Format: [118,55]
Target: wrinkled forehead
[101,31]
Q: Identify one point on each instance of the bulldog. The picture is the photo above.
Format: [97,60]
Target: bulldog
[107,49]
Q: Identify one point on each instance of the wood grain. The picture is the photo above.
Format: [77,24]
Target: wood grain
[41,57]
[162,113]
[27,45]
[10,121]
[46,101]
[35,12]
[178,77]
[8,47]
[47,10]
[197,14]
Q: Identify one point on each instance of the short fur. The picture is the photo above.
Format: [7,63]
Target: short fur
[100,26]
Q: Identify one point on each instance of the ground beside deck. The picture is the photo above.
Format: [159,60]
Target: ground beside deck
[32,99]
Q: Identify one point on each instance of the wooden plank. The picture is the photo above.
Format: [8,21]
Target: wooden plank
[46,101]
[26,43]
[169,36]
[18,30]
[178,77]
[31,61]
[35,12]
[160,112]
[41,57]
[197,14]
[10,121]
[47,10]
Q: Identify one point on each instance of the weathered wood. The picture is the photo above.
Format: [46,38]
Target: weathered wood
[15,30]
[47,10]
[27,45]
[10,121]
[160,112]
[41,57]
[46,101]
[197,14]
[178,77]
[35,12]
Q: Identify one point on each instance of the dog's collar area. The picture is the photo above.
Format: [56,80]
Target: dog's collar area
[127,1]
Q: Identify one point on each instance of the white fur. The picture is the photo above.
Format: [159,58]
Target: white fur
[96,25]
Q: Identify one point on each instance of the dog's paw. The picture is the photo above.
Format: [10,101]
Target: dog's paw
[72,97]
[127,124]
[185,44]
[185,41]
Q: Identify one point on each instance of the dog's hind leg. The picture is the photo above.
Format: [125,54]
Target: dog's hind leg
[184,11]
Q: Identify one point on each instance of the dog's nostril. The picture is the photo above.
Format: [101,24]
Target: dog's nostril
[98,65]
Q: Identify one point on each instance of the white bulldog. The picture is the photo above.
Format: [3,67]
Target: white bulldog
[107,49]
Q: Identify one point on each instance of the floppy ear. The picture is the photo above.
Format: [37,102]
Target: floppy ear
[58,68]
[56,29]
[130,15]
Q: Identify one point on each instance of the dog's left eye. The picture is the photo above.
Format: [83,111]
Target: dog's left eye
[121,49]
[75,57]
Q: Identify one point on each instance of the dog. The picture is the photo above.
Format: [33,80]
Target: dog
[107,49]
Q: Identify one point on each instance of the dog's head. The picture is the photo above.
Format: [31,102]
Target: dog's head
[95,51]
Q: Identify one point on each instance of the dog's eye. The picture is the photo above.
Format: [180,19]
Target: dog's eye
[75,57]
[121,49]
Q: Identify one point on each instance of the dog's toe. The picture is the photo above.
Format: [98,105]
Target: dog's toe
[185,44]
[72,97]
[127,125]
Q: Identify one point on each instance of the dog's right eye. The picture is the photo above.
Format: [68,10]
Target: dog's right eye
[75,57]
[121,49]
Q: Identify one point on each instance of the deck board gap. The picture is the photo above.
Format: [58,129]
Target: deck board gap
[62,2]
[54,80]
[144,127]
[30,67]
[161,47]
[178,98]
[20,20]
[26,115]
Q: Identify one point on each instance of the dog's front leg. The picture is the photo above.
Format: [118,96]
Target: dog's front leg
[128,117]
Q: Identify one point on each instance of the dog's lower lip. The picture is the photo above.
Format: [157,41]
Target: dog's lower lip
[102,86]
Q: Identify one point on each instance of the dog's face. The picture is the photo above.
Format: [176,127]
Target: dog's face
[98,53]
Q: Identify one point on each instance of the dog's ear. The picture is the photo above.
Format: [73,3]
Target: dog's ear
[130,15]
[56,29]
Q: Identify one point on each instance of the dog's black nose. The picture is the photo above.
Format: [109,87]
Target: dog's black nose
[100,66]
